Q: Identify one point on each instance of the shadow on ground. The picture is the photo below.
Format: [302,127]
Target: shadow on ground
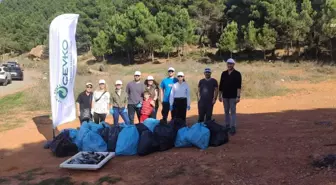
[44,125]
[269,148]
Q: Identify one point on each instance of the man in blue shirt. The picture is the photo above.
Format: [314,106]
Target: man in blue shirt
[166,86]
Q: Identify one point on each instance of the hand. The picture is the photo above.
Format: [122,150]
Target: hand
[111,111]
[188,108]
[220,99]
[171,108]
[92,112]
[237,100]
[125,110]
[139,105]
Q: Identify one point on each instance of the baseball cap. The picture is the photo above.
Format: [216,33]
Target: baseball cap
[171,69]
[101,81]
[180,74]
[207,70]
[89,83]
[118,82]
[231,61]
[137,73]
[150,78]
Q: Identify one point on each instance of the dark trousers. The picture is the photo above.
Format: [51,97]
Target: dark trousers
[180,108]
[97,118]
[165,110]
[204,110]
[132,109]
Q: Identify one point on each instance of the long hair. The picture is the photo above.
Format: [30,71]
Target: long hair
[105,88]
[154,83]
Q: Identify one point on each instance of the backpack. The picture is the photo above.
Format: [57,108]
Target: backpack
[62,145]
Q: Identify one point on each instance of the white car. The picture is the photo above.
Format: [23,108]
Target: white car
[5,76]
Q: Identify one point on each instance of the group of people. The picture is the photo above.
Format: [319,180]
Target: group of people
[173,93]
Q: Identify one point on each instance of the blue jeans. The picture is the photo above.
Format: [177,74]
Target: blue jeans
[120,111]
[230,108]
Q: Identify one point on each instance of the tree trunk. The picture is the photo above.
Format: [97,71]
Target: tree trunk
[168,55]
[201,38]
[152,55]
[128,57]
[230,54]
[264,55]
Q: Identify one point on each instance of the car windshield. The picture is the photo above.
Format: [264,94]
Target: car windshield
[14,69]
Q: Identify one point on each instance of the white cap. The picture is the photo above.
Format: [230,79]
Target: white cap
[150,78]
[171,69]
[118,82]
[231,61]
[137,73]
[89,83]
[101,81]
[180,74]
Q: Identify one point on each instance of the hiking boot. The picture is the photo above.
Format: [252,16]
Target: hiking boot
[233,131]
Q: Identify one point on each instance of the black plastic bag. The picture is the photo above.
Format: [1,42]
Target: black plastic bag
[62,145]
[177,124]
[104,133]
[113,137]
[147,143]
[141,127]
[218,133]
[165,135]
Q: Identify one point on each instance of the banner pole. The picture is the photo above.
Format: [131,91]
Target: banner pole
[53,133]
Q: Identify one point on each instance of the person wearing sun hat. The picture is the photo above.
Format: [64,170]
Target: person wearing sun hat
[229,93]
[206,95]
[165,88]
[100,102]
[154,91]
[135,90]
[83,103]
[179,98]
[119,104]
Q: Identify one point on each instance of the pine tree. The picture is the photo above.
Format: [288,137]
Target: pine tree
[266,39]
[228,39]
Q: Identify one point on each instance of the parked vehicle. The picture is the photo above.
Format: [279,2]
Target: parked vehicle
[13,64]
[16,73]
[5,76]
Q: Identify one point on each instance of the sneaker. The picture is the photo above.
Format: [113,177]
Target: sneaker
[233,131]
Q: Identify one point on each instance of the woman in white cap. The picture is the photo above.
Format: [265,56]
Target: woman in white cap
[100,102]
[179,98]
[119,103]
[153,88]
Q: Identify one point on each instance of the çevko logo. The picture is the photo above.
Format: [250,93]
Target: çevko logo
[61,90]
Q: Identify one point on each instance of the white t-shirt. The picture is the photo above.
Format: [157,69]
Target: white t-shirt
[101,106]
[180,91]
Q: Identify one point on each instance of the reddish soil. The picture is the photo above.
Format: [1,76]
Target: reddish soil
[275,141]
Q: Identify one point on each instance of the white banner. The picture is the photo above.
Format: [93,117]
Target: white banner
[63,66]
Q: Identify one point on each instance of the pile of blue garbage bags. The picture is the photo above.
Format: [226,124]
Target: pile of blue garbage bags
[151,136]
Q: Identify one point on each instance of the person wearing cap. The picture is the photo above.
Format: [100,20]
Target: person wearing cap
[83,104]
[206,95]
[166,86]
[119,104]
[229,93]
[100,102]
[153,88]
[179,98]
[135,90]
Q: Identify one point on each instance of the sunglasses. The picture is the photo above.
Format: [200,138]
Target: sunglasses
[137,75]
[179,76]
[90,87]
[101,84]
[170,71]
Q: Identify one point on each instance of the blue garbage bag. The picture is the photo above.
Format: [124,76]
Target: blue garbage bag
[73,134]
[84,129]
[181,138]
[93,142]
[127,143]
[199,135]
[151,123]
[96,128]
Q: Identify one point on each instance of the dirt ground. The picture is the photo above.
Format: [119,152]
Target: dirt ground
[275,142]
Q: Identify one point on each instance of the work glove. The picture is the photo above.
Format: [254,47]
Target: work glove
[171,108]
[125,110]
[139,105]
[111,111]
[188,108]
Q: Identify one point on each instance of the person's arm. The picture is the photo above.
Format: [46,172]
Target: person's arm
[161,91]
[126,99]
[215,92]
[93,102]
[152,103]
[156,91]
[188,95]
[239,83]
[78,101]
[171,96]
[198,95]
[220,89]
[108,102]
